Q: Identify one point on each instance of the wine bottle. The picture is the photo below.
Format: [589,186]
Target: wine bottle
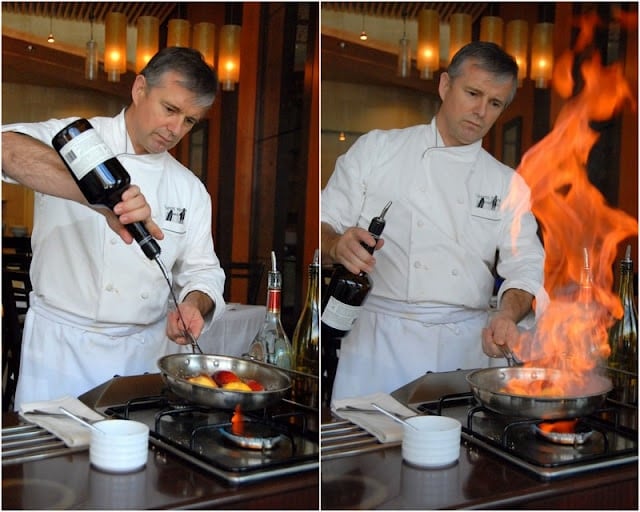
[347,291]
[99,175]
[623,338]
[305,341]
[271,344]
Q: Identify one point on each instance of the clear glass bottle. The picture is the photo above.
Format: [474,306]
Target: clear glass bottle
[306,341]
[271,344]
[623,338]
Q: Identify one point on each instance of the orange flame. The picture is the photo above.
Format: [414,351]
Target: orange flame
[576,223]
[237,422]
[561,427]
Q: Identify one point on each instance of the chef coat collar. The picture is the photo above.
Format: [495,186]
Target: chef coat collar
[125,146]
[468,151]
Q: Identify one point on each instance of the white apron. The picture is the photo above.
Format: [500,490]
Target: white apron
[394,343]
[61,357]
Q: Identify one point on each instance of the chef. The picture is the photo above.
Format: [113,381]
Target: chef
[454,207]
[99,307]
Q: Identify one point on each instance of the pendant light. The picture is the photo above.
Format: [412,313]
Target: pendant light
[363,33]
[428,57]
[404,52]
[115,45]
[516,46]
[491,30]
[204,36]
[460,26]
[91,54]
[51,39]
[229,56]
[147,41]
[179,33]
[542,54]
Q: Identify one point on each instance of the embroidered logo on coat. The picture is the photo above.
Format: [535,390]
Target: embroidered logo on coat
[174,214]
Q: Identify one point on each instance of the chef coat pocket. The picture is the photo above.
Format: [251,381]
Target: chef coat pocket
[173,227]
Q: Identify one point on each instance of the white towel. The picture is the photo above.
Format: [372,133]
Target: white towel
[376,423]
[73,434]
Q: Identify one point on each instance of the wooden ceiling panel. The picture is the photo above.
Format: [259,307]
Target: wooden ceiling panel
[83,11]
[397,10]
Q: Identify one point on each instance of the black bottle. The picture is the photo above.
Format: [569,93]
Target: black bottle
[347,291]
[99,175]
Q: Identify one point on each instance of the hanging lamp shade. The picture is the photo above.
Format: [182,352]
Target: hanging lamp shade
[428,57]
[460,35]
[91,60]
[115,45]
[492,30]
[178,33]
[229,57]
[404,58]
[204,36]
[516,45]
[542,54]
[148,40]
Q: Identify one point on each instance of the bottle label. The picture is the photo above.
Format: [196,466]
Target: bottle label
[339,315]
[85,152]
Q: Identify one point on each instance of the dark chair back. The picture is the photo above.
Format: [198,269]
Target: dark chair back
[16,286]
[253,272]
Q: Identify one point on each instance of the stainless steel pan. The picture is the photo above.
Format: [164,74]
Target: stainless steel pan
[175,369]
[488,384]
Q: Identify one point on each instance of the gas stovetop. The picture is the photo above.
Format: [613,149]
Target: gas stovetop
[201,435]
[612,430]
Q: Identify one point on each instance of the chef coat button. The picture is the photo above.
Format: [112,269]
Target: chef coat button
[417,264]
[114,241]
[144,295]
[420,223]
[454,272]
[109,287]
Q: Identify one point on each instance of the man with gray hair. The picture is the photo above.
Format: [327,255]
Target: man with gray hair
[454,207]
[99,307]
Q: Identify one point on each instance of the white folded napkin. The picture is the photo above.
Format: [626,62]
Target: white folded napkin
[376,423]
[73,434]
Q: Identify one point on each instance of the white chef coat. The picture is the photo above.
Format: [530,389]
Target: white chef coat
[452,208]
[98,289]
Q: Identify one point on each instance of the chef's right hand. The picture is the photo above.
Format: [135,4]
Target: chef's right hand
[349,252]
[133,207]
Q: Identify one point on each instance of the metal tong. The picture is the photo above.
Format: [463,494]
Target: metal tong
[512,359]
[194,344]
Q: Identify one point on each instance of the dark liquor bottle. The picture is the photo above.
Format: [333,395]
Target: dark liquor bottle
[623,339]
[271,344]
[99,175]
[347,291]
[305,342]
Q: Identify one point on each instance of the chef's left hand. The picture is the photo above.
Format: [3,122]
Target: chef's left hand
[500,330]
[193,319]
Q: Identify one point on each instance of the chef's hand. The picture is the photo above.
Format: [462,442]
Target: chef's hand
[501,330]
[501,327]
[348,251]
[133,207]
[192,317]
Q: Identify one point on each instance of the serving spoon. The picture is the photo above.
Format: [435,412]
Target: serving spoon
[81,420]
[393,416]
[512,359]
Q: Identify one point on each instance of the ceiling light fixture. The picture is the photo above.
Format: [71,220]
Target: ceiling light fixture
[91,55]
[404,52]
[229,56]
[363,34]
[428,56]
[51,39]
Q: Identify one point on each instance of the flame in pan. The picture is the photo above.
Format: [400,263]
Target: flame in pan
[581,232]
